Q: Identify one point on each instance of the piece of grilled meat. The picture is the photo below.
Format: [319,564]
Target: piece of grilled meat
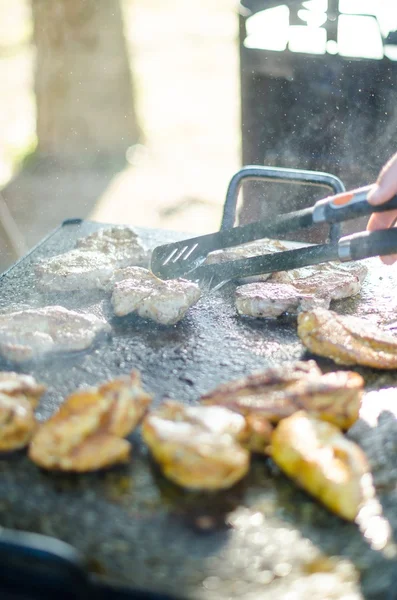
[31,333]
[87,431]
[197,447]
[266,300]
[323,462]
[165,302]
[299,290]
[91,264]
[347,340]
[17,422]
[276,393]
[19,385]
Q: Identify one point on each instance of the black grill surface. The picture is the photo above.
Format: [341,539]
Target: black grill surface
[262,539]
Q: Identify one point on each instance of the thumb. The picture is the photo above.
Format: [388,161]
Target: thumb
[377,195]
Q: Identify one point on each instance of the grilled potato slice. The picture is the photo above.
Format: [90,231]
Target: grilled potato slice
[323,462]
[86,432]
[279,392]
[347,340]
[197,447]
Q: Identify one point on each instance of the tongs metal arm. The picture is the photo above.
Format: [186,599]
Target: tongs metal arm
[179,258]
[352,247]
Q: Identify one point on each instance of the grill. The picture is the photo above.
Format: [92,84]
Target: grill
[257,540]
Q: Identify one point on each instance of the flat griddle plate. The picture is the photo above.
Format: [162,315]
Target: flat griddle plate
[260,539]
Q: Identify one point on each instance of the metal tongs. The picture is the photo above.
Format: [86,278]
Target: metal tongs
[185,258]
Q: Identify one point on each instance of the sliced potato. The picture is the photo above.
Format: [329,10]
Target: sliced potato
[330,467]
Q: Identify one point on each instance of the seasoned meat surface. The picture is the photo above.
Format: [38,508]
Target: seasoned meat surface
[299,290]
[326,285]
[166,302]
[28,334]
[347,340]
[279,392]
[273,299]
[20,385]
[93,261]
[17,422]
[120,242]
[323,462]
[87,431]
[197,447]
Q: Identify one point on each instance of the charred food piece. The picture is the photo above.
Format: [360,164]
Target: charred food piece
[87,431]
[277,393]
[29,334]
[323,462]
[166,302]
[197,447]
[347,340]
[18,385]
[92,263]
[17,422]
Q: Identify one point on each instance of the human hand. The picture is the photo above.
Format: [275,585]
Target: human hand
[383,190]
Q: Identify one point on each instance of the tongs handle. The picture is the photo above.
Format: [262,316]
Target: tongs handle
[367,244]
[349,205]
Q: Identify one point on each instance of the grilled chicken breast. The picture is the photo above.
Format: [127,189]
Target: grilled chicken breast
[166,302]
[197,447]
[273,299]
[18,385]
[31,333]
[86,433]
[92,263]
[17,422]
[279,392]
[347,340]
[299,290]
[323,462]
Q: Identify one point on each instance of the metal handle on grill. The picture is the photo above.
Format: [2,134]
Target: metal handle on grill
[266,173]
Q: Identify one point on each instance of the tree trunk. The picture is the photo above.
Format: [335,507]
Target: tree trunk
[83,80]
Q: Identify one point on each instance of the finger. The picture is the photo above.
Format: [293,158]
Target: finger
[386,185]
[390,259]
[382,220]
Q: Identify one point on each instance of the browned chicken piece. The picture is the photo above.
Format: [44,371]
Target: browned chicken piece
[323,462]
[17,422]
[32,333]
[20,385]
[279,392]
[299,290]
[165,302]
[329,285]
[197,447]
[347,340]
[87,431]
[268,300]
[91,264]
